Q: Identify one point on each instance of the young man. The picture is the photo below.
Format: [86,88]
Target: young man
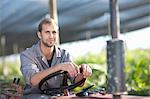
[45,58]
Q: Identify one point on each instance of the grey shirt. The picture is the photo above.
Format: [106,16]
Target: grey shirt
[33,61]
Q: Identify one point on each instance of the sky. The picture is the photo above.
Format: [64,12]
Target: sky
[132,40]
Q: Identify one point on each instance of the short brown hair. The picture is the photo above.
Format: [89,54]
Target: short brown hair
[47,21]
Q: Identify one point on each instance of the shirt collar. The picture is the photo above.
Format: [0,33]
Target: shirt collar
[57,51]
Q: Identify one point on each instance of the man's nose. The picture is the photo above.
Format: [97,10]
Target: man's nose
[50,34]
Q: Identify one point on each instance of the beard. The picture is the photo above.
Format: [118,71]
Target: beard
[47,45]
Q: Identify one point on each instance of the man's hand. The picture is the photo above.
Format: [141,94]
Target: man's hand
[86,70]
[70,67]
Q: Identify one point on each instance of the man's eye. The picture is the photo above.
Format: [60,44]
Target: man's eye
[47,32]
[53,32]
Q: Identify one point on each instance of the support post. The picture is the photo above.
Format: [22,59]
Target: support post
[115,53]
[53,14]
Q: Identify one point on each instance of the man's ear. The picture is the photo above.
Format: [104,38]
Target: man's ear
[39,34]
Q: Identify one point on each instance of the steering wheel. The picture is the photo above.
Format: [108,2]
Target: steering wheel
[54,91]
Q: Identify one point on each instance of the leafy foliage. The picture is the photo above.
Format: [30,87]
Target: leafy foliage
[98,65]
[9,71]
[138,71]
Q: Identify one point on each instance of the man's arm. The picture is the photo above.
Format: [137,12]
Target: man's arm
[36,78]
[70,67]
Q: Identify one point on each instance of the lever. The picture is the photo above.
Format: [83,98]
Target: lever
[84,91]
[16,80]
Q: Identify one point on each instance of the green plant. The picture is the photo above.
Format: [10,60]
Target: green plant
[9,71]
[98,65]
[138,71]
